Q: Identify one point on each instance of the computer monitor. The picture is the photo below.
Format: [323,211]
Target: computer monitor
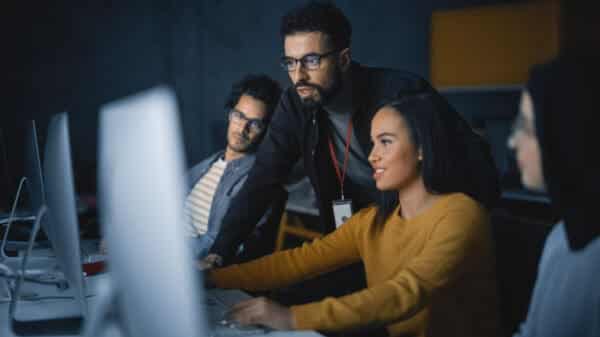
[141,189]
[33,169]
[33,182]
[62,230]
[62,226]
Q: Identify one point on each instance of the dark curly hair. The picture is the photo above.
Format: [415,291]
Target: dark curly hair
[258,86]
[318,16]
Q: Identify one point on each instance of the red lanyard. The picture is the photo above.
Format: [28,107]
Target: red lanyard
[341,175]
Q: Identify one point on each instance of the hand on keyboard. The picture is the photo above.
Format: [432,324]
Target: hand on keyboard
[209,262]
[262,311]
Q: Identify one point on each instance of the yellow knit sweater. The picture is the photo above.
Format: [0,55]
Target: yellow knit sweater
[432,275]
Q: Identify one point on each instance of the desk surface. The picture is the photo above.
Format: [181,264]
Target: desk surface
[56,308]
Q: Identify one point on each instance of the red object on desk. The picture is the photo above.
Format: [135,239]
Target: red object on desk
[93,268]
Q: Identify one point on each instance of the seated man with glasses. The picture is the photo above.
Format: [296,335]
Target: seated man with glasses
[216,180]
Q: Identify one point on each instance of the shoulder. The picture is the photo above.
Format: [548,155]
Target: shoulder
[557,236]
[461,210]
[290,101]
[210,159]
[290,112]
[555,244]
[368,212]
[364,219]
[203,165]
[459,219]
[461,201]
[244,163]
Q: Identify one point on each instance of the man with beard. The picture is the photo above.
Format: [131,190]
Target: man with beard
[324,118]
[216,180]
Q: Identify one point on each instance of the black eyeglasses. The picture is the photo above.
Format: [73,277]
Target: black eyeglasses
[310,61]
[253,125]
[521,125]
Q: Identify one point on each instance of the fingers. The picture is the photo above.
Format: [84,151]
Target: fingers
[203,265]
[209,262]
[252,311]
[214,260]
[261,311]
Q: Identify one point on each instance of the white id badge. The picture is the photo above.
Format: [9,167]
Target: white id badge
[342,211]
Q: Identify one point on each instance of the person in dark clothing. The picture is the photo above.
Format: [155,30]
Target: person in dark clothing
[552,141]
[324,119]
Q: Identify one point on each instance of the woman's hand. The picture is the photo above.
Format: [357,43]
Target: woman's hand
[262,311]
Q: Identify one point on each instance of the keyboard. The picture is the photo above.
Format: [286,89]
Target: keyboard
[217,305]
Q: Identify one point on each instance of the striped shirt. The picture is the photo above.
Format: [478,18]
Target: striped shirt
[199,201]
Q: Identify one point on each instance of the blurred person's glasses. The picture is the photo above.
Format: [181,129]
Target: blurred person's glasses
[310,61]
[253,125]
[521,125]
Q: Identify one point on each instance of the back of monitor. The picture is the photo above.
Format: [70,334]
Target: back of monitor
[33,169]
[141,190]
[62,225]
[32,180]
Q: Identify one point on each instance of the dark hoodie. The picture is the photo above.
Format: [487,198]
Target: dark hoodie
[566,297]
[564,99]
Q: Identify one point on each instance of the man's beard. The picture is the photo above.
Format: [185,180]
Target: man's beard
[325,95]
[245,145]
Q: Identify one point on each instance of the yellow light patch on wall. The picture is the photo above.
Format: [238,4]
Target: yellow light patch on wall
[492,46]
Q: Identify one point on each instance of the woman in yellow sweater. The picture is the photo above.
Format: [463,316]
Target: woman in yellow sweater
[426,247]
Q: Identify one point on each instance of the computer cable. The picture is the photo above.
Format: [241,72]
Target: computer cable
[11,218]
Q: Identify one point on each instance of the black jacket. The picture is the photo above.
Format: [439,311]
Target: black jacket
[297,132]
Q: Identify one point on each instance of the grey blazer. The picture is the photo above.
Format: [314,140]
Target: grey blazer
[233,179]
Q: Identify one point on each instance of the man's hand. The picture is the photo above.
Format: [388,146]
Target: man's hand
[209,262]
[262,311]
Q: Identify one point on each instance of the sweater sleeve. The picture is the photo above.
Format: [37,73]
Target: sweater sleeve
[290,266]
[446,254]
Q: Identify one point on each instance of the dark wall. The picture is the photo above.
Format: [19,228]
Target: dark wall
[69,57]
[238,38]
